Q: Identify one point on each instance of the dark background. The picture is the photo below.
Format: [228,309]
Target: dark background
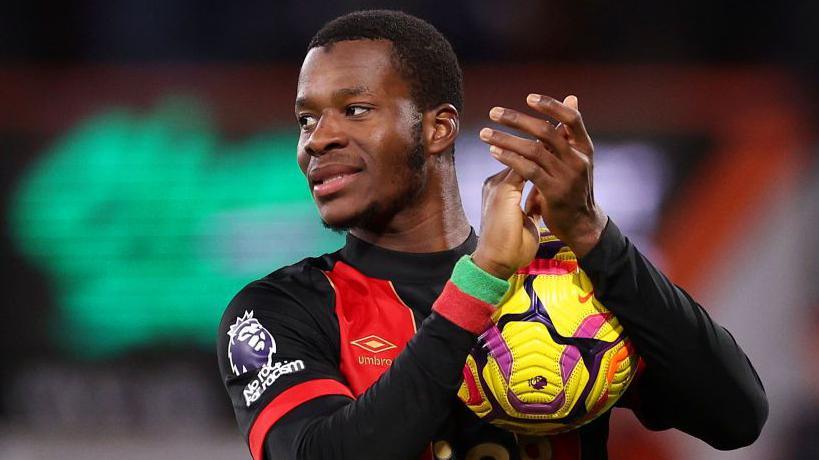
[715,86]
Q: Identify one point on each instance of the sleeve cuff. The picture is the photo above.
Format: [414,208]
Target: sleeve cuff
[284,403]
[611,243]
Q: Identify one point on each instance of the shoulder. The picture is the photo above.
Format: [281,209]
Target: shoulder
[294,299]
[294,304]
[300,290]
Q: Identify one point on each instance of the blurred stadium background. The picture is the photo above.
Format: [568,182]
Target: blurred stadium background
[148,173]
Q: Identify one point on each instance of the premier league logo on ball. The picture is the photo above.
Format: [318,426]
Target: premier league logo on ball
[251,346]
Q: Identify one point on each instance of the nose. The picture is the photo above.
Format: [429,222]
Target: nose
[326,136]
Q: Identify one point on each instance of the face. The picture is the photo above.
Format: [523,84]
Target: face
[360,134]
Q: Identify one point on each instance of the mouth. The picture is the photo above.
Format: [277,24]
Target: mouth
[331,179]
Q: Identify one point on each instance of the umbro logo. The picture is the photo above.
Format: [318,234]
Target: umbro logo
[374,344]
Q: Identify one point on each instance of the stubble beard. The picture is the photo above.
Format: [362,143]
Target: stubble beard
[375,217]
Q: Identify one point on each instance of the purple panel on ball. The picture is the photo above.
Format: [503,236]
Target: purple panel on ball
[568,361]
[591,326]
[499,350]
[537,409]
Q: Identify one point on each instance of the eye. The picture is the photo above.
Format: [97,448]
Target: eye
[307,122]
[356,110]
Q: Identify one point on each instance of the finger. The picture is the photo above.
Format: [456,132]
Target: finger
[531,225]
[533,150]
[571,101]
[496,177]
[526,169]
[513,178]
[563,128]
[531,206]
[491,182]
[565,131]
[505,175]
[534,204]
[563,113]
[488,186]
[537,127]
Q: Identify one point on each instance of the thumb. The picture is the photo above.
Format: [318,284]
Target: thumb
[531,225]
[514,179]
[535,204]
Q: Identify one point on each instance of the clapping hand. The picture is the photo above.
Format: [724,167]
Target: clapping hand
[558,161]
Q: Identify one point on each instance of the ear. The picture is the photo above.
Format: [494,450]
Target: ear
[441,125]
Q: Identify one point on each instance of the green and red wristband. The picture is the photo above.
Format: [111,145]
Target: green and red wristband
[470,296]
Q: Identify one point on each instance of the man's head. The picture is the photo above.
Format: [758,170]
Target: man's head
[378,101]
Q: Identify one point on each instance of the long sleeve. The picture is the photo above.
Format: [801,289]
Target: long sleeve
[399,415]
[308,413]
[696,377]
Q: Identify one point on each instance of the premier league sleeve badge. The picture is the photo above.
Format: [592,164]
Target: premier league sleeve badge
[250,346]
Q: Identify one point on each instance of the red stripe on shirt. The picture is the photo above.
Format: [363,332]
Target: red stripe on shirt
[284,403]
[374,325]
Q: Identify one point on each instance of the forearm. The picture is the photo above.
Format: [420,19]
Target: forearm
[712,390]
[398,416]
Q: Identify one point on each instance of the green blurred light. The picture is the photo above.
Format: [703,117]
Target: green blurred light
[147,224]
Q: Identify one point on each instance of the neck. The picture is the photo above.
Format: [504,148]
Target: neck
[435,222]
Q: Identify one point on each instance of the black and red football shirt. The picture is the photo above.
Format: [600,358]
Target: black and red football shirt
[342,357]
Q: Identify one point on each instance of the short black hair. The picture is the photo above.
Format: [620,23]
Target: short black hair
[424,57]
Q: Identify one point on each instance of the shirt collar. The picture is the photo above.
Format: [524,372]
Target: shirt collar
[378,262]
